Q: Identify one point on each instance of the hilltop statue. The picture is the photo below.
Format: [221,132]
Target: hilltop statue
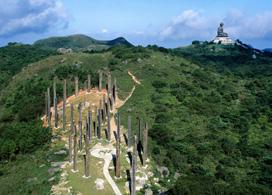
[220,31]
[222,37]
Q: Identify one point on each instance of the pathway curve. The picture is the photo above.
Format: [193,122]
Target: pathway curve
[134,78]
[106,154]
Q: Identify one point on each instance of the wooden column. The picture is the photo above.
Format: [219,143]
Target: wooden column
[64,106]
[89,83]
[90,123]
[118,127]
[87,158]
[95,122]
[48,108]
[114,90]
[109,84]
[75,150]
[99,123]
[139,131]
[71,133]
[129,137]
[72,117]
[76,86]
[55,102]
[108,125]
[104,106]
[80,124]
[133,167]
[145,145]
[101,110]
[70,147]
[117,167]
[100,80]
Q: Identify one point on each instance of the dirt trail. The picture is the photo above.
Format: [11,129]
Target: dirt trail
[104,152]
[134,78]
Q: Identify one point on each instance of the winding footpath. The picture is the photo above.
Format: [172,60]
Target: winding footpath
[106,152]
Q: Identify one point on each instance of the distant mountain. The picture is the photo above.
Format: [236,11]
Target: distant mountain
[268,50]
[79,42]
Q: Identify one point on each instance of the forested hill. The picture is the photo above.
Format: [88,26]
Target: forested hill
[16,56]
[79,42]
[208,108]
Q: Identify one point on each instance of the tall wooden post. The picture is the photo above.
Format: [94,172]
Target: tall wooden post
[71,133]
[104,106]
[75,150]
[90,123]
[76,86]
[117,168]
[145,141]
[139,130]
[99,123]
[108,125]
[100,80]
[87,158]
[48,108]
[72,117]
[89,83]
[70,145]
[110,106]
[55,102]
[133,167]
[109,84]
[118,127]
[114,90]
[80,124]
[129,137]
[101,110]
[64,106]
[95,122]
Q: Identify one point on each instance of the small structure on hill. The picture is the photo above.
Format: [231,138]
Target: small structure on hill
[222,37]
[64,50]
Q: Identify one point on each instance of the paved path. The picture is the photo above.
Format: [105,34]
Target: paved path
[106,154]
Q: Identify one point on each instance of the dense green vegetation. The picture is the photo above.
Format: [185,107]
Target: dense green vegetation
[208,108]
[16,56]
[18,129]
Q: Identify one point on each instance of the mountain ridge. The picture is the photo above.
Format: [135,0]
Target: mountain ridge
[79,42]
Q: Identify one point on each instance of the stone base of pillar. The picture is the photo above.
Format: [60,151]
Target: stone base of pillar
[74,171]
[130,149]
[117,178]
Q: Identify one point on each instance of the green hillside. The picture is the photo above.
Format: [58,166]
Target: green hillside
[14,57]
[78,42]
[208,108]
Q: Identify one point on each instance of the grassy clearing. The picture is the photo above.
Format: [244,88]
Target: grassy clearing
[87,185]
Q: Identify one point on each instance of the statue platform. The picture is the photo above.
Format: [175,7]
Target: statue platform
[223,40]
[222,37]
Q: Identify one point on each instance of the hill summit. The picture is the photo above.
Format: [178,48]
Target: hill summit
[79,42]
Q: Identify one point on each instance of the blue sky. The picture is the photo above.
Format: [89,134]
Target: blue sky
[168,23]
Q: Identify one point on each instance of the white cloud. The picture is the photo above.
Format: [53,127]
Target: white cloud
[192,24]
[104,30]
[31,16]
[188,24]
[250,27]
